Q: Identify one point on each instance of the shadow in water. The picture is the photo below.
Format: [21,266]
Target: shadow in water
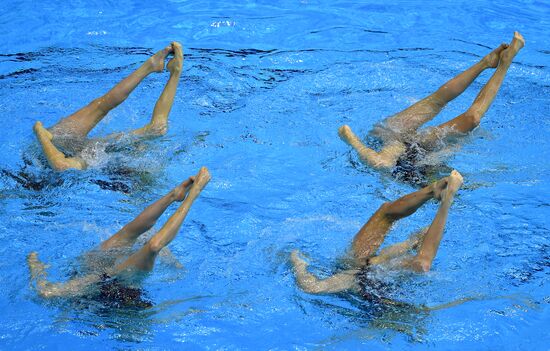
[133,324]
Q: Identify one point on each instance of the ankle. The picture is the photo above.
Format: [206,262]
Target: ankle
[148,66]
[447,200]
[484,64]
[175,73]
[156,128]
[504,63]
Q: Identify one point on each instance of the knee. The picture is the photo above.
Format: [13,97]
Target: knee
[153,246]
[385,207]
[99,104]
[421,265]
[440,98]
[156,129]
[473,117]
[386,210]
[47,291]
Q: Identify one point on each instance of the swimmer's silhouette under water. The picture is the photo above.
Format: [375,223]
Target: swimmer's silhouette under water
[404,149]
[113,282]
[64,143]
[370,237]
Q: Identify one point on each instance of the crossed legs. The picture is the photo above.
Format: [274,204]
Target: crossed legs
[410,119]
[372,234]
[143,259]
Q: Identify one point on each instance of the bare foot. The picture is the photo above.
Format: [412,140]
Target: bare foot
[40,131]
[202,178]
[157,60]
[37,268]
[491,60]
[349,137]
[454,183]
[181,190]
[346,134]
[438,187]
[175,64]
[515,46]
[296,260]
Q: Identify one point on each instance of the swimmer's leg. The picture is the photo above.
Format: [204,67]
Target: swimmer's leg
[400,249]
[159,122]
[144,259]
[372,234]
[410,119]
[46,289]
[311,284]
[470,119]
[57,160]
[422,262]
[386,158]
[128,235]
[84,120]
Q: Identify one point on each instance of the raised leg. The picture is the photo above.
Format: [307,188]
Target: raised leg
[372,234]
[471,118]
[412,118]
[128,235]
[84,120]
[144,259]
[399,249]
[311,284]
[159,122]
[422,262]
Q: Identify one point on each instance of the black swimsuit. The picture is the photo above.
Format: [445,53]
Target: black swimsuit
[116,295]
[408,168]
[372,288]
[378,294]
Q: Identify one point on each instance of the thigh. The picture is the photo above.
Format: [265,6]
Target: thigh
[459,126]
[80,123]
[369,238]
[410,119]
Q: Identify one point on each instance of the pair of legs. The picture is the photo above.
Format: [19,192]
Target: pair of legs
[372,234]
[408,121]
[80,123]
[144,258]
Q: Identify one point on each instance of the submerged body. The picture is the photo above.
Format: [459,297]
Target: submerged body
[362,277]
[405,151]
[112,273]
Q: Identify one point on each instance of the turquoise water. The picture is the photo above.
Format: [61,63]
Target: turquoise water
[263,90]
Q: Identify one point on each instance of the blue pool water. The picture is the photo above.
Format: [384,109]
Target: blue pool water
[265,86]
